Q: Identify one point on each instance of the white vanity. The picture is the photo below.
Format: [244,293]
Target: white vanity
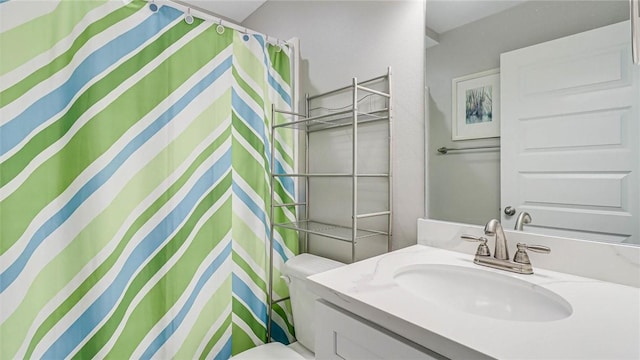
[431,301]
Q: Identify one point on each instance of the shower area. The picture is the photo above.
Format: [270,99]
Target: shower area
[135,157]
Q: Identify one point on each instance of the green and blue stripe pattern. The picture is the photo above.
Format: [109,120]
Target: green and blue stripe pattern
[135,183]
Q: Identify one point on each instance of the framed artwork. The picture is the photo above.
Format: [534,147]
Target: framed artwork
[475,111]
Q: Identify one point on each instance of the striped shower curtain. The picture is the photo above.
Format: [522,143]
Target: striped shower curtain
[134,183]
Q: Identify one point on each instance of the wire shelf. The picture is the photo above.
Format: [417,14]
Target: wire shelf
[338,232]
[334,120]
[333,175]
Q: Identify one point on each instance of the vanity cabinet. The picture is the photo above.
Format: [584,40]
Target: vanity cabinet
[343,335]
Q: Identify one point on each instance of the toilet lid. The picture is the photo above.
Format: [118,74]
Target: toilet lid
[274,350]
[306,264]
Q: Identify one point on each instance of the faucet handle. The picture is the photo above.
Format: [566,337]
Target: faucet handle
[473,238]
[483,249]
[535,248]
[521,255]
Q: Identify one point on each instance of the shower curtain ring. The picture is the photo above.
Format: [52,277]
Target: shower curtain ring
[188,18]
[220,28]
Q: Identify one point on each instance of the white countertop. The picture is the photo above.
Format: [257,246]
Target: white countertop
[604,324]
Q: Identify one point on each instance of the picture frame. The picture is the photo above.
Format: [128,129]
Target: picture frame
[475,110]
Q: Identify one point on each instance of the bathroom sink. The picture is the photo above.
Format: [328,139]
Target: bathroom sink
[482,293]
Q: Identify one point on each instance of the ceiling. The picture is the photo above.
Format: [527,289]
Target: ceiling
[442,15]
[445,15]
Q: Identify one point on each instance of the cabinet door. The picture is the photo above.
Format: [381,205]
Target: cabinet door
[341,335]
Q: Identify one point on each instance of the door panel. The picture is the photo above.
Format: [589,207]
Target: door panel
[570,134]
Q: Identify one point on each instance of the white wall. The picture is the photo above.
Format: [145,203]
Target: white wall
[343,39]
[465,187]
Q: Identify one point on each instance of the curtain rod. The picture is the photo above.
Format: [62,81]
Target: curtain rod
[203,13]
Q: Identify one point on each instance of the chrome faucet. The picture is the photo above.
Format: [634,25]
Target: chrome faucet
[492,228]
[500,259]
[523,218]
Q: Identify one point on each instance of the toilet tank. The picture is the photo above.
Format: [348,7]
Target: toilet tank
[297,269]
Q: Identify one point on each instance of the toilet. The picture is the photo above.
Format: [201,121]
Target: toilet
[296,270]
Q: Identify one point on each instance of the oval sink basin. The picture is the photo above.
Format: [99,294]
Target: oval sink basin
[482,293]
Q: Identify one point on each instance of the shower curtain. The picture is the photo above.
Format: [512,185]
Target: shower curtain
[135,183]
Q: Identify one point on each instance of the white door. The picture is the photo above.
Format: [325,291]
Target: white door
[570,134]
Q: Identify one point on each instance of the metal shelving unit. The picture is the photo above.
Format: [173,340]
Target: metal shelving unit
[352,117]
